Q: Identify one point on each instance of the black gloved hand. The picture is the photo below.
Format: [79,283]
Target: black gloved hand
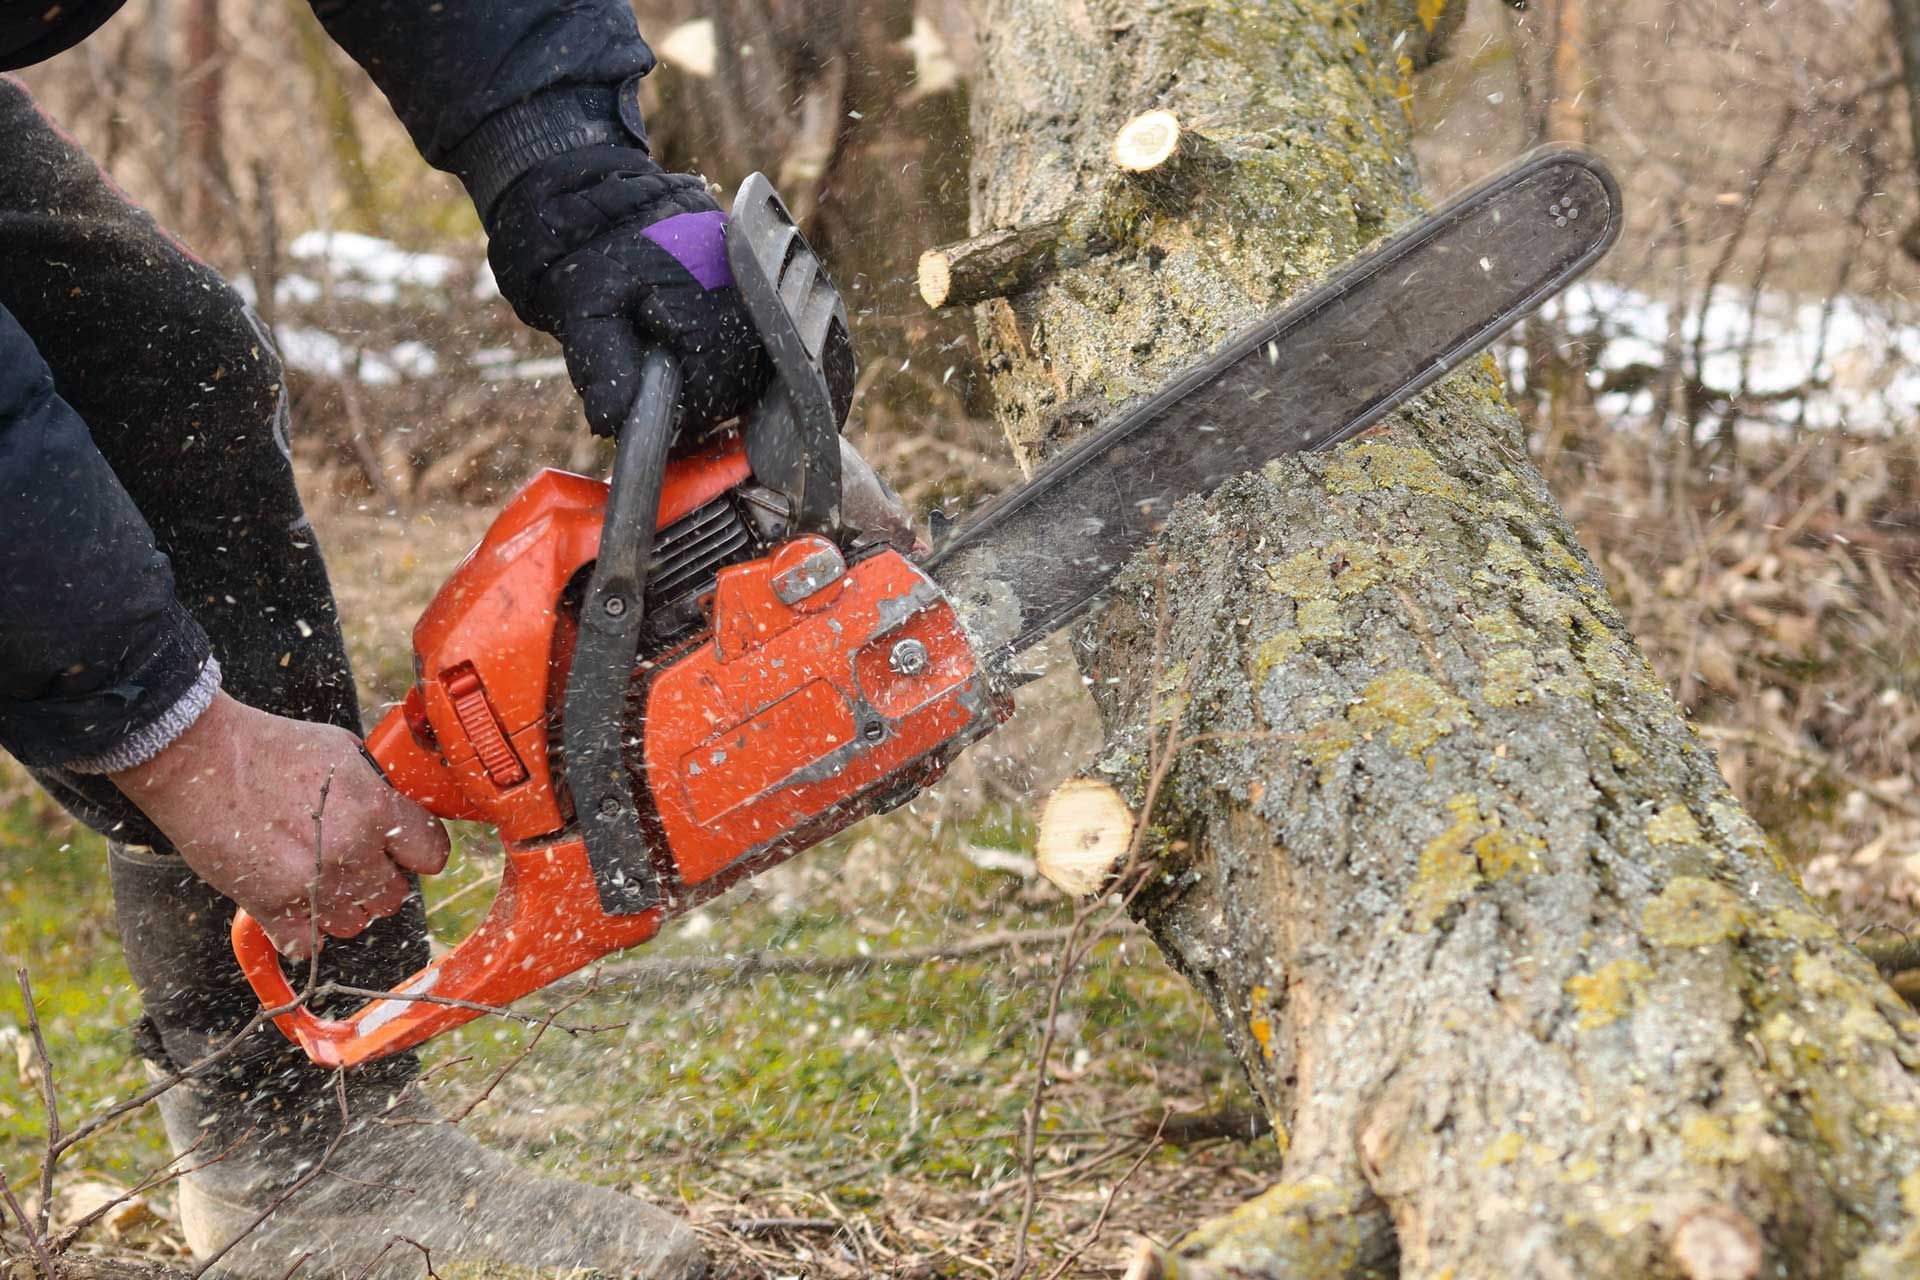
[608,252]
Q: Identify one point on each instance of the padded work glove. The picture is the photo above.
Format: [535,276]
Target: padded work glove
[594,243]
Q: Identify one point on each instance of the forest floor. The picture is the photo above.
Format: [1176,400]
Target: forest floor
[834,1124]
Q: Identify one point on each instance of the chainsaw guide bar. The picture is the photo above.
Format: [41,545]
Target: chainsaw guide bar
[1317,372]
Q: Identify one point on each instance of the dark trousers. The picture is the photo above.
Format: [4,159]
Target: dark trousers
[180,388]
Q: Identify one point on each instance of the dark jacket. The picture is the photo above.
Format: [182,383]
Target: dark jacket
[91,657]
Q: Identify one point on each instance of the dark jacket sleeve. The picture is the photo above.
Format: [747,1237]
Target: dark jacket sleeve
[447,66]
[94,647]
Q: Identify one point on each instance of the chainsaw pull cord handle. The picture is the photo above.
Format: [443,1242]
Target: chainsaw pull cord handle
[611,614]
[528,952]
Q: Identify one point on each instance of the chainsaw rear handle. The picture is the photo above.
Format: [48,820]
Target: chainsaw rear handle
[529,938]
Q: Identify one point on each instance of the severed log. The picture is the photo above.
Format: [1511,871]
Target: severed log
[1085,832]
[1153,153]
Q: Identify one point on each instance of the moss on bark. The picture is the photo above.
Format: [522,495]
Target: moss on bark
[1499,950]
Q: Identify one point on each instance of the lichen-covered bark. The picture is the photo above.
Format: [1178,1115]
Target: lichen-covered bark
[1524,989]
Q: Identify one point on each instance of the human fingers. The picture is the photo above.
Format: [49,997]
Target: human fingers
[291,932]
[416,840]
[344,919]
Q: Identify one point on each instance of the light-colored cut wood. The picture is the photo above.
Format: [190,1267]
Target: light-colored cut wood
[1147,141]
[1085,831]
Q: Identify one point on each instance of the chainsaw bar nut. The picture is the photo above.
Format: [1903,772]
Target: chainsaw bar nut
[820,567]
[908,658]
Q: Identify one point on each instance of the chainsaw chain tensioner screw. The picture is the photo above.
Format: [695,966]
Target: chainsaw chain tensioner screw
[909,658]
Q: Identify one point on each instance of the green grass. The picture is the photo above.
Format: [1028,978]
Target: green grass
[56,921]
[848,1087]
[849,1081]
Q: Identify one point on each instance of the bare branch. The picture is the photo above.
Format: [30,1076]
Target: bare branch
[44,1262]
[706,973]
[50,1099]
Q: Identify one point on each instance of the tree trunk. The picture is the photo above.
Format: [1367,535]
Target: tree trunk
[1523,989]
[209,182]
[1906,33]
[1568,111]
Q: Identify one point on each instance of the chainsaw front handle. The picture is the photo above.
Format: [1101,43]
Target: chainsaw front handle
[533,935]
[594,723]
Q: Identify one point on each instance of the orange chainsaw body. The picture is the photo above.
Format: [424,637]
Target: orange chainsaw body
[817,692]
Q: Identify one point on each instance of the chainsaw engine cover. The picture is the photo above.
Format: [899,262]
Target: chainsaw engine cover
[823,691]
[812,693]
[474,738]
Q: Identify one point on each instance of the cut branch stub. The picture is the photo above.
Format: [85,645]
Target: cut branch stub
[1003,262]
[1085,832]
[1156,157]
[1147,141]
[1156,150]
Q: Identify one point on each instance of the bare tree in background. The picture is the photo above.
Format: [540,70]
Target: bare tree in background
[1522,987]
[1906,32]
[209,182]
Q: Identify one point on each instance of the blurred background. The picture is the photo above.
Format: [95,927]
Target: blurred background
[1730,411]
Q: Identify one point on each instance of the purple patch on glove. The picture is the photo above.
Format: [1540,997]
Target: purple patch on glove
[698,242]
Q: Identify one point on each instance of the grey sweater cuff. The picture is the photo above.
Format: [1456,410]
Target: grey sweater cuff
[144,744]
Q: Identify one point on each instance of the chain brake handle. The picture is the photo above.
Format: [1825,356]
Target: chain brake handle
[793,436]
[792,446]
[792,440]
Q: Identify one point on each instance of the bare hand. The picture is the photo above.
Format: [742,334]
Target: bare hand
[236,794]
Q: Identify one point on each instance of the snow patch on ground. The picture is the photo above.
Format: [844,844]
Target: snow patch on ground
[365,267]
[1847,362]
[319,352]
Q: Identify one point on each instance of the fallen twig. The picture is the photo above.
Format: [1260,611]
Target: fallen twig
[705,973]
[1183,1128]
[755,1228]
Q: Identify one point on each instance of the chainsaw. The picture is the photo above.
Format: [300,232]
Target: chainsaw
[657,686]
